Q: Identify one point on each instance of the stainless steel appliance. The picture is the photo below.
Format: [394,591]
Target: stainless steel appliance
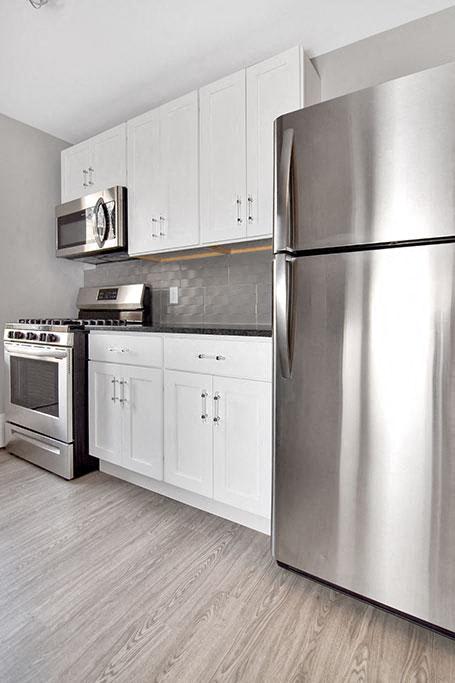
[93,228]
[46,370]
[364,306]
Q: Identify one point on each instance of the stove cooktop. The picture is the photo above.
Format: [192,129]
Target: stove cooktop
[74,323]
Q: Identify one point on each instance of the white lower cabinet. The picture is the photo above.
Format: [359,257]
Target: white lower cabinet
[126,416]
[242,437]
[143,421]
[218,438]
[188,457]
[193,413]
[105,425]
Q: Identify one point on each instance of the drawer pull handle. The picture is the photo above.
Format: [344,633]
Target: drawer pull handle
[114,349]
[208,356]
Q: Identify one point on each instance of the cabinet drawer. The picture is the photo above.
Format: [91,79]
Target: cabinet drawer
[129,349]
[219,356]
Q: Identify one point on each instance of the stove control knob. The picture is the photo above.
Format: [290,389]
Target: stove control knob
[42,337]
[52,338]
[19,335]
[10,334]
[30,336]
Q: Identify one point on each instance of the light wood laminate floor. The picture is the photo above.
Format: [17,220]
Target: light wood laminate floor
[103,581]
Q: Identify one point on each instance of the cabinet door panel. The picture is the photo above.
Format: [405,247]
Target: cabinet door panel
[142,401]
[179,135]
[75,160]
[144,183]
[188,437]
[273,89]
[223,159]
[105,414]
[108,159]
[243,444]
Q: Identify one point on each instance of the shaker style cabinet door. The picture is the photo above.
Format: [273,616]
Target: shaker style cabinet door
[188,431]
[242,438]
[141,395]
[223,160]
[273,88]
[144,183]
[105,412]
[75,165]
[108,159]
[179,138]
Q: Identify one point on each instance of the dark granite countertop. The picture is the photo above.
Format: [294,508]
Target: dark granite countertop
[192,328]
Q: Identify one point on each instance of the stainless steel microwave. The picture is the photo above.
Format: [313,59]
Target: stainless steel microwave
[94,227]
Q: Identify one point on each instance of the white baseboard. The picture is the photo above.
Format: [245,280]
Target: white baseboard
[2,430]
[248,519]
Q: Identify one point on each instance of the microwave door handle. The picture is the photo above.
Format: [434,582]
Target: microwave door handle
[283,312]
[283,216]
[100,235]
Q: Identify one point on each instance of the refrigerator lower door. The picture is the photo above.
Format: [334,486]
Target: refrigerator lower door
[364,492]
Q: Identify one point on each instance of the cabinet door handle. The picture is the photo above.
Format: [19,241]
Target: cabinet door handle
[91,171]
[204,414]
[250,208]
[122,398]
[84,183]
[239,210]
[154,233]
[162,222]
[114,397]
[216,409]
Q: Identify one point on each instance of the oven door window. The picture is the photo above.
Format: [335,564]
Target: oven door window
[34,385]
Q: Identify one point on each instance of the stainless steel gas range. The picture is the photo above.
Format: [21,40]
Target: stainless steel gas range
[47,385]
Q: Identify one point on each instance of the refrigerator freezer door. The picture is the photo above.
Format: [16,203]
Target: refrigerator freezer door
[364,492]
[374,166]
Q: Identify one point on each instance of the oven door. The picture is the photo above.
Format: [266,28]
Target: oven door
[92,224]
[39,389]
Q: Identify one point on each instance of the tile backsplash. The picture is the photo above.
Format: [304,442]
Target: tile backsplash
[228,289]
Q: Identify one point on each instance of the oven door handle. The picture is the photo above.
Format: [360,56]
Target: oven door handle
[22,350]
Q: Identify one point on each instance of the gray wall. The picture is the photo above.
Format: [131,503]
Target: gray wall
[415,46]
[32,281]
[233,289]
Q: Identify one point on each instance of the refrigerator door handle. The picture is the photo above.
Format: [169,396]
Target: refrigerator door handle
[283,318]
[283,225]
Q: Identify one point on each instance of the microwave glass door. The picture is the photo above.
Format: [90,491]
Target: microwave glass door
[88,229]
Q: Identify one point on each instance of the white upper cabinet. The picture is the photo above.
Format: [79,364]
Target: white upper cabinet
[274,87]
[179,136]
[108,163]
[223,159]
[144,182]
[75,165]
[163,175]
[95,164]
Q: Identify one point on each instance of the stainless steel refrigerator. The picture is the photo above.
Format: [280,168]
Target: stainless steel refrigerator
[364,307]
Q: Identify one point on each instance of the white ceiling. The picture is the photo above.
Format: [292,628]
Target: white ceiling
[76,67]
